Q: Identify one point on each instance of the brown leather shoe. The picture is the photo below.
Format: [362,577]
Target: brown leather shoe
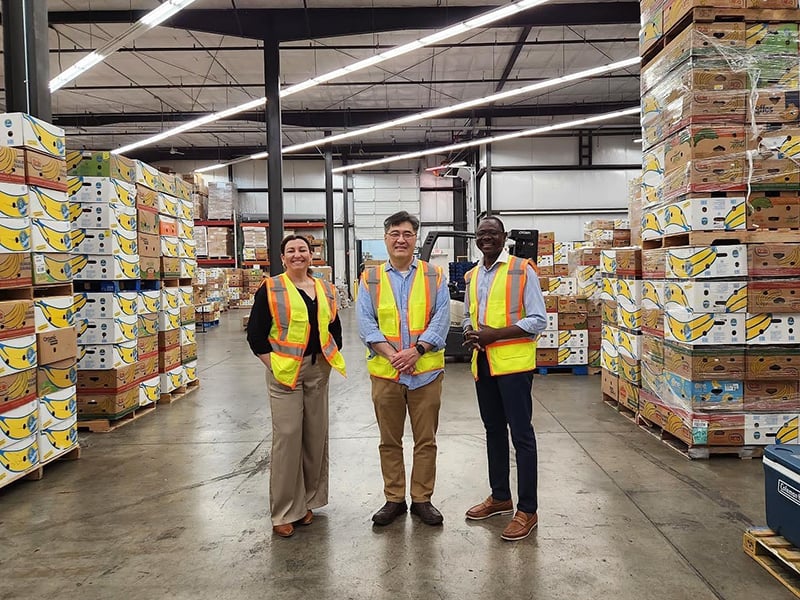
[427,513]
[389,512]
[520,527]
[306,520]
[489,508]
[284,531]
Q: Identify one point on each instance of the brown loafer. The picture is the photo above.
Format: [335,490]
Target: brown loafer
[389,512]
[427,513]
[306,520]
[283,531]
[520,527]
[489,508]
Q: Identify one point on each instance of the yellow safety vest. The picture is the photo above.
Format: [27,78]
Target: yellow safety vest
[505,305]
[290,329]
[421,308]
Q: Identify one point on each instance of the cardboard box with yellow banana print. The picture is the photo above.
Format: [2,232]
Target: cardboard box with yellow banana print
[146,198]
[188,268]
[14,200]
[185,210]
[53,312]
[150,391]
[773,328]
[704,396]
[172,380]
[652,294]
[628,344]
[15,235]
[150,301]
[774,260]
[99,267]
[169,319]
[166,183]
[186,229]
[19,422]
[108,331]
[16,318]
[57,406]
[772,396]
[706,296]
[703,214]
[12,167]
[56,376]
[49,205]
[188,335]
[608,262]
[183,189]
[17,388]
[190,371]
[628,395]
[187,249]
[186,295]
[58,439]
[17,459]
[102,190]
[570,356]
[706,262]
[49,267]
[105,216]
[107,405]
[148,176]
[105,241]
[51,236]
[147,344]
[170,246]
[766,429]
[18,354]
[106,305]
[653,170]
[45,171]
[147,366]
[170,267]
[148,324]
[107,356]
[772,363]
[705,364]
[629,316]
[167,205]
[21,130]
[703,329]
[101,164]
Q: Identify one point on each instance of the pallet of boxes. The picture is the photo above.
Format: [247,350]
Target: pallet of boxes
[211,289]
[37,334]
[721,212]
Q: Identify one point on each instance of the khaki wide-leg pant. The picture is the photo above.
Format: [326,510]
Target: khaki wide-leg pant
[391,401]
[299,464]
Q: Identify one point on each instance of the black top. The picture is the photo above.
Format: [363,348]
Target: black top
[261,322]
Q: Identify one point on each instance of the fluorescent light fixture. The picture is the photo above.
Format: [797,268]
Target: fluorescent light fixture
[449,32]
[460,163]
[491,140]
[211,168]
[637,141]
[147,22]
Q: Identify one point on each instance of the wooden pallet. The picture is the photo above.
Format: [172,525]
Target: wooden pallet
[109,425]
[38,471]
[777,555]
[696,452]
[625,411]
[711,238]
[569,369]
[181,392]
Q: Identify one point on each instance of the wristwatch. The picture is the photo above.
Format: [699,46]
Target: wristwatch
[420,348]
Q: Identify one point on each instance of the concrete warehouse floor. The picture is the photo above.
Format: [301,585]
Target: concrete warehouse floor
[175,505]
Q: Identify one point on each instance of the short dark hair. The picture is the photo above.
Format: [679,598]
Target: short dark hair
[495,219]
[401,217]
[291,238]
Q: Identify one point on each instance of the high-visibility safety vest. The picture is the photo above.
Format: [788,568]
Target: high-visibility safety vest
[505,305]
[291,330]
[421,308]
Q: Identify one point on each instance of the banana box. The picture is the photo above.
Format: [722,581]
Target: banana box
[149,245]
[45,171]
[57,406]
[172,380]
[547,339]
[706,296]
[629,262]
[546,357]
[629,293]
[169,339]
[146,198]
[170,267]
[609,358]
[53,312]
[149,268]
[630,369]
[18,459]
[573,338]
[573,356]
[166,183]
[107,356]
[772,363]
[186,229]
[148,221]
[107,380]
[772,396]
[19,423]
[699,214]
[106,305]
[651,224]
[100,267]
[704,396]
[628,395]
[170,297]
[56,376]
[147,344]
[183,190]
[147,176]
[628,344]
[773,328]
[18,354]
[652,294]
[186,295]
[167,205]
[58,439]
[168,359]
[608,262]
[608,289]
[654,263]
[167,225]
[706,262]
[23,130]
[169,319]
[545,260]
[14,199]
[187,249]
[629,316]
[48,235]
[17,388]
[105,241]
[47,204]
[773,296]
[101,164]
[186,315]
[705,364]
[15,235]
[170,246]
[105,216]
[16,318]
[771,210]
[703,329]
[764,429]
[56,345]
[148,324]
[569,321]
[774,260]
[147,367]
[108,405]
[108,331]
[150,301]
[103,190]
[150,391]
[189,336]
[609,384]
[653,169]
[768,39]
[190,371]
[562,286]
[48,267]
[552,322]
[653,321]
[561,252]
[12,168]
[188,268]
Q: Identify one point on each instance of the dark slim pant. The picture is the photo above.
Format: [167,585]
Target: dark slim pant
[505,401]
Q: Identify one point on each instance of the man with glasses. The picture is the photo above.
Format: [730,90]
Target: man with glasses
[504,313]
[403,310]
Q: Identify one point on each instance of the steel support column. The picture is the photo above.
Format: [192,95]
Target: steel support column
[330,254]
[346,220]
[459,217]
[272,73]
[488,169]
[26,58]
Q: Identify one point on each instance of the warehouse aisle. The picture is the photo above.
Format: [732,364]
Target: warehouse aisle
[176,506]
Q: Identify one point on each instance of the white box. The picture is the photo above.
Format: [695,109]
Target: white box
[573,338]
[188,335]
[103,190]
[108,331]
[106,305]
[51,236]
[167,205]
[552,322]
[188,268]
[548,339]
[150,391]
[17,355]
[652,294]
[170,297]
[608,289]
[775,328]
[53,312]
[573,356]
[186,231]
[702,214]
[185,209]
[18,459]
[170,246]
[707,262]
[105,216]
[19,423]
[764,430]
[48,204]
[21,130]
[561,252]
[608,262]
[703,329]
[15,236]
[149,301]
[586,273]
[169,319]
[629,293]
[147,176]
[14,202]
[706,296]
[107,356]
[545,260]
[58,439]
[190,371]
[651,224]
[186,297]
[105,241]
[58,406]
[171,380]
[187,249]
[629,344]
[609,357]
[653,169]
[105,268]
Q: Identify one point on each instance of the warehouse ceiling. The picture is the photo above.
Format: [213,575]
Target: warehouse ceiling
[210,57]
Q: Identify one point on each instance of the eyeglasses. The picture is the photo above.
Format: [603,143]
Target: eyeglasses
[406,235]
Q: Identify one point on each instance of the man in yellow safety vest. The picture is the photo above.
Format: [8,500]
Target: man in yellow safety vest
[504,313]
[403,310]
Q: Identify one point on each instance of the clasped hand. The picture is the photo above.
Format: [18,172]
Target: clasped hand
[479,338]
[405,360]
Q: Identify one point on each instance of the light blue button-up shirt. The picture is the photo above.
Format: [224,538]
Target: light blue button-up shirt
[535,319]
[435,334]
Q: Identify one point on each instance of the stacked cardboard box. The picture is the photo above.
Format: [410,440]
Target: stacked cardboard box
[219,242]
[255,243]
[199,194]
[608,233]
[221,198]
[170,329]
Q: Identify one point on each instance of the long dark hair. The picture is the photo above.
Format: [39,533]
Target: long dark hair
[291,238]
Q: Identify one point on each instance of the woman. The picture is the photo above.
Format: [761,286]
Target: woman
[295,331]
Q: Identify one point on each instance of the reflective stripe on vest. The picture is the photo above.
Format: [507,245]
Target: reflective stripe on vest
[421,307]
[290,329]
[505,305]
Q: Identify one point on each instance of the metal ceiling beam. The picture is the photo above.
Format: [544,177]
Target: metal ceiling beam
[301,24]
[512,59]
[346,118]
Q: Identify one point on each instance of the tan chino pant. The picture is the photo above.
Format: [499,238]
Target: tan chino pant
[392,401]
[299,463]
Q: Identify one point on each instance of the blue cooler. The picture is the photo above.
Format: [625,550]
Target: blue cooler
[782,479]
